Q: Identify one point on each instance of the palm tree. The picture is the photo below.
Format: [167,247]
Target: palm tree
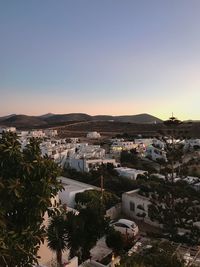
[74,232]
[57,237]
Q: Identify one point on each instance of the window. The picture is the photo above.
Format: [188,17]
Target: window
[132,206]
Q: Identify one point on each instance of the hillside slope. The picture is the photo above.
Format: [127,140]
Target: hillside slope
[23,121]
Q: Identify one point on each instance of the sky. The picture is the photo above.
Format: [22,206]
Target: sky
[114,57]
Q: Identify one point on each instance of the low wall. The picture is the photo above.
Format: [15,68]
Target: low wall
[114,212]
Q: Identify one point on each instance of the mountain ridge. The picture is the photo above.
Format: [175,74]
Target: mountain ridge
[51,119]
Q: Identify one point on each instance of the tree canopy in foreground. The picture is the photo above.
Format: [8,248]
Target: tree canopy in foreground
[27,184]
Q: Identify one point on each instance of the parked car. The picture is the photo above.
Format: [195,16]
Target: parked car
[126,227]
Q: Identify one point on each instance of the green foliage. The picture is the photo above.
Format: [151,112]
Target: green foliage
[160,254]
[115,241]
[112,181]
[128,156]
[56,236]
[175,206]
[89,196]
[27,183]
[92,225]
[79,233]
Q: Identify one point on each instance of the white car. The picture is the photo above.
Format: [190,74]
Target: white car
[126,227]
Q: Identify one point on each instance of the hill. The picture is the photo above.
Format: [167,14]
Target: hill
[139,118]
[48,115]
[60,118]
[49,120]
[23,121]
[6,117]
[109,128]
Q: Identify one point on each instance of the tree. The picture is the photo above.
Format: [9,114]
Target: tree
[57,237]
[173,153]
[128,157]
[115,240]
[78,232]
[88,196]
[27,184]
[93,226]
[175,206]
[175,156]
[112,181]
[160,254]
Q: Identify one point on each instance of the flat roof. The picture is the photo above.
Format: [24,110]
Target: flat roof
[76,185]
[135,193]
[130,170]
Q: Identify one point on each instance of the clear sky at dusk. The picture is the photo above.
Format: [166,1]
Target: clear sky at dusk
[100,57]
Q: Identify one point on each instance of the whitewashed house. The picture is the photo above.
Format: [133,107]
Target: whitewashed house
[86,165]
[7,129]
[51,132]
[37,134]
[158,143]
[118,145]
[71,188]
[144,141]
[93,135]
[191,143]
[155,153]
[135,206]
[129,172]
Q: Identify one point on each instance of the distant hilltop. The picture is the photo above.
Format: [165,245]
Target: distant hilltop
[51,119]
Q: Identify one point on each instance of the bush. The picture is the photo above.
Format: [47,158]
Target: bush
[89,196]
[115,241]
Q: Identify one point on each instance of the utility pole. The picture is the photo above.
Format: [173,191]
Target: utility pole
[102,189]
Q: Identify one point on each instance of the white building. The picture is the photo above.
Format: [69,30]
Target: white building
[74,140]
[93,135]
[54,148]
[7,129]
[129,172]
[22,134]
[196,186]
[143,141]
[71,188]
[79,156]
[158,143]
[191,143]
[136,206]
[155,153]
[51,132]
[86,165]
[83,150]
[118,145]
[191,180]
[37,134]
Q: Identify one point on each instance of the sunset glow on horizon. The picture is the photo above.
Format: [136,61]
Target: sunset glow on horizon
[100,57]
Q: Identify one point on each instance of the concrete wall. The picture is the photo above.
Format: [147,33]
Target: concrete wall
[78,164]
[136,200]
[114,212]
[46,255]
[67,197]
